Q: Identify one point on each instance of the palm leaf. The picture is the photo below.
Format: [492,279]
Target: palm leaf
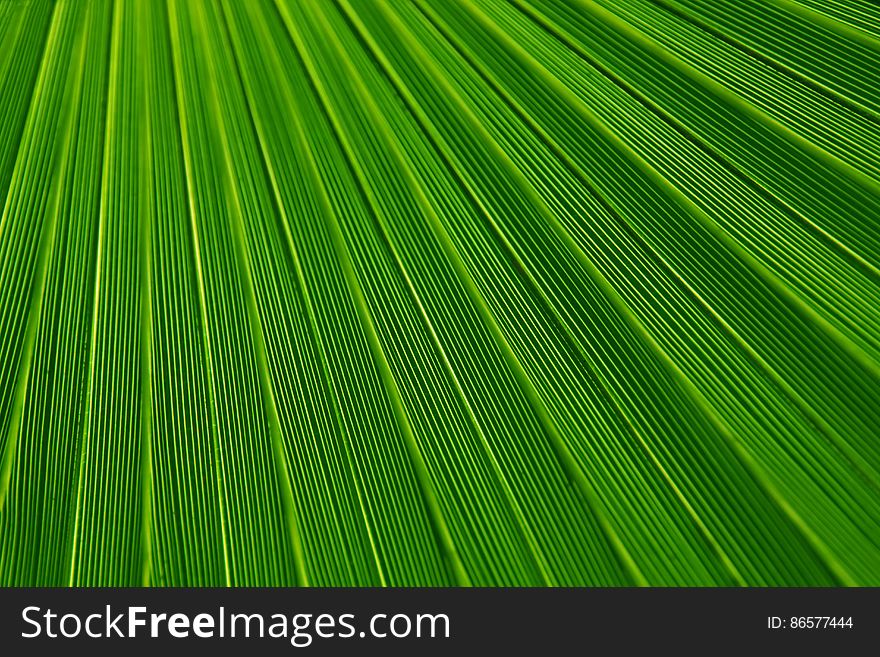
[419,292]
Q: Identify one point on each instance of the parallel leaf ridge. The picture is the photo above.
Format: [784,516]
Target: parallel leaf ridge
[440,293]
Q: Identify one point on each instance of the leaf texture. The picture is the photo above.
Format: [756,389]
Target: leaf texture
[439,293]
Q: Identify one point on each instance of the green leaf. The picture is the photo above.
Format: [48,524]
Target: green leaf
[433,293]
